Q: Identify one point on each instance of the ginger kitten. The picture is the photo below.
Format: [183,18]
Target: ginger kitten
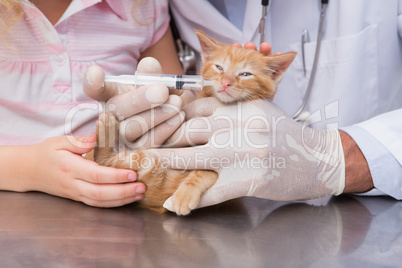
[239,75]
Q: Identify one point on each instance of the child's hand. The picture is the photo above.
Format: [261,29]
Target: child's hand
[56,166]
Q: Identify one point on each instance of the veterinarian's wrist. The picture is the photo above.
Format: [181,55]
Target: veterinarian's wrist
[357,173]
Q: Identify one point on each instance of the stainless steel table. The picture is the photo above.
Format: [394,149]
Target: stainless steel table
[38,230]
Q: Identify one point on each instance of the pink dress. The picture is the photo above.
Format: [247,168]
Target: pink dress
[41,65]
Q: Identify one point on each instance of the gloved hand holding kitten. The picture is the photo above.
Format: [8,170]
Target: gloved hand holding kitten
[139,123]
[133,109]
[258,151]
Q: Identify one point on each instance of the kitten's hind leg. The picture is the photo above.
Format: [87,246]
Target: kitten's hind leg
[107,131]
[188,194]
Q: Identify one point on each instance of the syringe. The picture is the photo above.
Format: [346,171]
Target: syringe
[182,82]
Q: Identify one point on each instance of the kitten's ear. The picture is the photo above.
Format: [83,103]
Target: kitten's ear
[278,64]
[208,45]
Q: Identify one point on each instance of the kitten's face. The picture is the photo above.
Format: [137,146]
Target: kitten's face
[240,74]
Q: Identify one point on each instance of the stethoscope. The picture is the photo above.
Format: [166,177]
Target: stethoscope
[299,115]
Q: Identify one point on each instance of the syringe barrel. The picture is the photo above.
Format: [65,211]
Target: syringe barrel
[181,82]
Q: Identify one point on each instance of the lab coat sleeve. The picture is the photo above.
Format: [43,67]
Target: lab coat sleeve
[380,140]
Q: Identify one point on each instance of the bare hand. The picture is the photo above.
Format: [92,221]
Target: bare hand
[56,166]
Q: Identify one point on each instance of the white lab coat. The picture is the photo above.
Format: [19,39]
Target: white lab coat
[359,74]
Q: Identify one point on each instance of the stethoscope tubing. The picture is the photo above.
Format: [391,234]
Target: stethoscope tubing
[324,4]
[315,63]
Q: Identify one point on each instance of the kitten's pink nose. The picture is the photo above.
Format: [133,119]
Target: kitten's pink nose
[225,83]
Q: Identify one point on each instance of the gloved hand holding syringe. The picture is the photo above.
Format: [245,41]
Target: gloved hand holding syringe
[181,82]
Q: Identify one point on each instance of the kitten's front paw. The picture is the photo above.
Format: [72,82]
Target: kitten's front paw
[107,130]
[185,199]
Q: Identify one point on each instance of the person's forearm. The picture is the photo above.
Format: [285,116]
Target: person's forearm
[13,165]
[357,173]
[165,52]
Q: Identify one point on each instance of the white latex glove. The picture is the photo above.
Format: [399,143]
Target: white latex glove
[148,114]
[258,151]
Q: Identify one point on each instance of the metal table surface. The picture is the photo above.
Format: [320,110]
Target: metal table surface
[38,230]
